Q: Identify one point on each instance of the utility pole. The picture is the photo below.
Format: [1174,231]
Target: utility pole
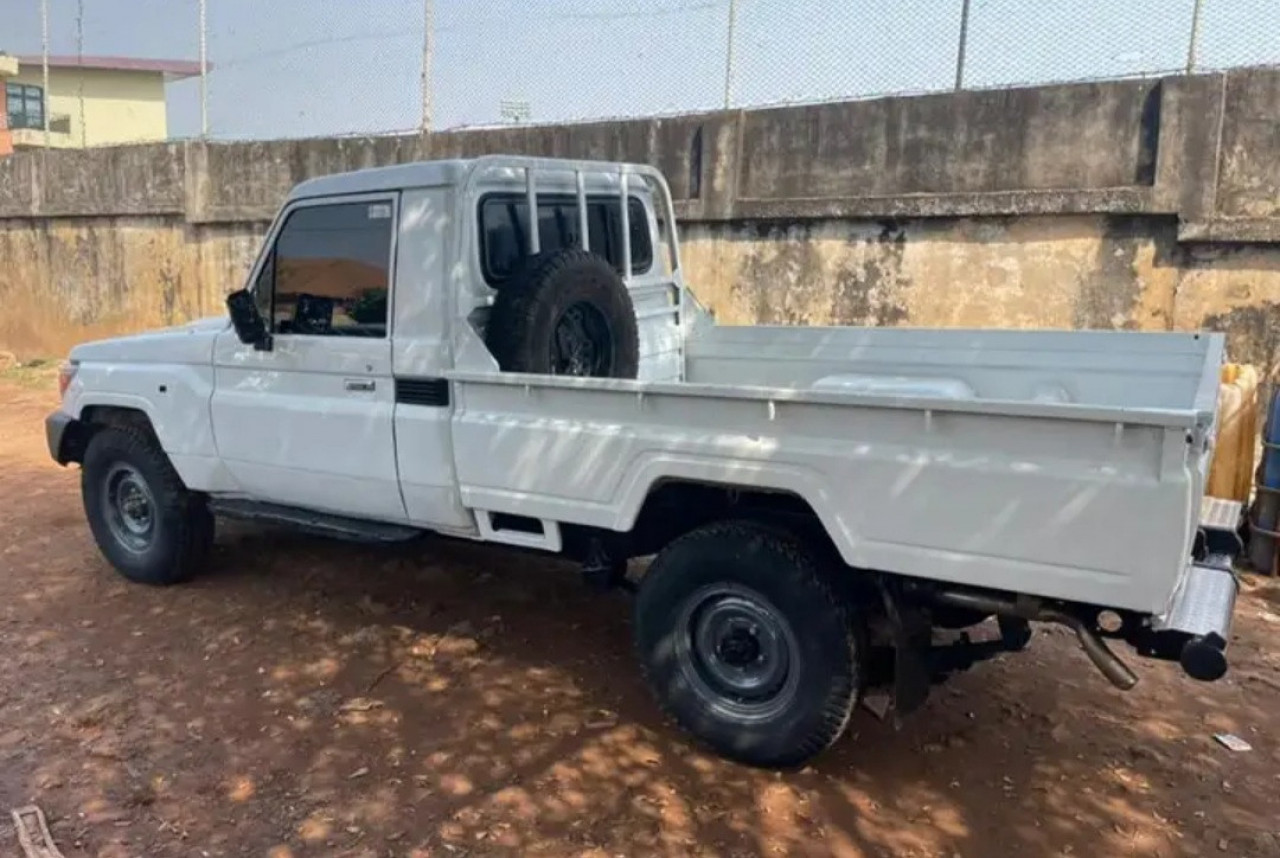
[728,59]
[1194,46]
[84,130]
[964,43]
[204,71]
[428,48]
[44,68]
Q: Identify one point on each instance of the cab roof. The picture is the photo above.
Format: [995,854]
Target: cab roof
[419,174]
[426,174]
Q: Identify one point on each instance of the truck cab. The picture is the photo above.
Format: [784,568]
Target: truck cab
[374,285]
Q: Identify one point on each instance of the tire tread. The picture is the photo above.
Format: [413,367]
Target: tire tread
[804,570]
[193,526]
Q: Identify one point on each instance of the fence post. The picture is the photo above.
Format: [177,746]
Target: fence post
[84,131]
[204,71]
[1194,45]
[44,69]
[964,43]
[428,48]
[728,59]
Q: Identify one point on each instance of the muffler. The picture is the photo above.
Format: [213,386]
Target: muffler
[1115,670]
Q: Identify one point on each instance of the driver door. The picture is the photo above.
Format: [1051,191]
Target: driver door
[309,423]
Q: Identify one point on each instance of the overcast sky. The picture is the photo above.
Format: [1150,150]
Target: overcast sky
[319,67]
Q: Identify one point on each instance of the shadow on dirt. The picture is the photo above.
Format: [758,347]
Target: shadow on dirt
[310,696]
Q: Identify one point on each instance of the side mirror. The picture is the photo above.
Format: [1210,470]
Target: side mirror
[250,327]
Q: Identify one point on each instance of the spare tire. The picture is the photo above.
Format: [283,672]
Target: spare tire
[565,313]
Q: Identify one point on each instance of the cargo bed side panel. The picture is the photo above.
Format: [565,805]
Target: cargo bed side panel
[1079,509]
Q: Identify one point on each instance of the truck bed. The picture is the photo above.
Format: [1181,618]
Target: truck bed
[1068,465]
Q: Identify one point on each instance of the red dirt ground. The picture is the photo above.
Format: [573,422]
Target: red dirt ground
[316,698]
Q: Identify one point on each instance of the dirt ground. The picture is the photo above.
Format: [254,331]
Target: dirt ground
[316,698]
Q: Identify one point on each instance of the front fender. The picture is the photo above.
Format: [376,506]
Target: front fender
[174,398]
[76,406]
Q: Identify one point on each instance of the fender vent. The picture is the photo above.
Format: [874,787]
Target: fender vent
[433,392]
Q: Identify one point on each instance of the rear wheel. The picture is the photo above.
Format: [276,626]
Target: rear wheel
[146,523]
[746,644]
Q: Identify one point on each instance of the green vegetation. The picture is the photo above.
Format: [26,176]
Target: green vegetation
[35,373]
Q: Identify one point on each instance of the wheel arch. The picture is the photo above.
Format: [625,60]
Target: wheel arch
[672,506]
[92,418]
[95,415]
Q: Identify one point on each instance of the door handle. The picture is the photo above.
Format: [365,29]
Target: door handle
[362,385]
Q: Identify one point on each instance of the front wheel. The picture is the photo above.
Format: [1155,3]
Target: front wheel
[747,645]
[145,521]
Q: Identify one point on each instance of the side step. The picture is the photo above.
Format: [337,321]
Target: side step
[323,524]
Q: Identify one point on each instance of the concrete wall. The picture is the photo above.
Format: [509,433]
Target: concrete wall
[82,278]
[1145,205]
[1035,271]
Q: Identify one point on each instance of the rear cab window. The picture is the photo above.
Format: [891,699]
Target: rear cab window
[504,233]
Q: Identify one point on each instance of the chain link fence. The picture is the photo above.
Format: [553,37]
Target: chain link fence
[96,72]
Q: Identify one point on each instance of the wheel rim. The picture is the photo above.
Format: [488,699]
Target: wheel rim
[738,650]
[130,508]
[582,343]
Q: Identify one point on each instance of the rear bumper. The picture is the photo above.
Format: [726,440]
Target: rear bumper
[1196,628]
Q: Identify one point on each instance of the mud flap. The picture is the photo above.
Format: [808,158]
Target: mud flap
[919,663]
[912,634]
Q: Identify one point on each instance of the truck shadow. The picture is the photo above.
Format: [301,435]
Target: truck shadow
[314,697]
[515,693]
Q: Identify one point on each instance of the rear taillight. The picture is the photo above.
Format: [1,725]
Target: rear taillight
[66,372]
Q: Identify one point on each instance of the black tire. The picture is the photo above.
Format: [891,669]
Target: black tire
[562,292]
[145,521]
[700,581]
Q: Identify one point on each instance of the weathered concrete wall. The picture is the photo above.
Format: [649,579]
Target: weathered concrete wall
[67,280]
[1250,180]
[1080,271]
[1042,139]
[1234,289]
[1140,204]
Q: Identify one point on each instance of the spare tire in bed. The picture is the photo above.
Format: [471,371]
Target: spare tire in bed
[565,313]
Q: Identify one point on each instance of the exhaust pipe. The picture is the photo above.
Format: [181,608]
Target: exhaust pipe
[1116,672]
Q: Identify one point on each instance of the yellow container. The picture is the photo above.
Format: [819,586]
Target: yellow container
[1231,469]
[1250,430]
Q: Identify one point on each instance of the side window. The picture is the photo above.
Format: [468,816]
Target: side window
[641,240]
[329,272]
[504,231]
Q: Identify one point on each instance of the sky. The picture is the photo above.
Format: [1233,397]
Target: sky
[293,68]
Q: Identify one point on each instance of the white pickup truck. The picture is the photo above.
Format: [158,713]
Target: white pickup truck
[828,506]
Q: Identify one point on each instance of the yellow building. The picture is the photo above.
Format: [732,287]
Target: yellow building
[89,101]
